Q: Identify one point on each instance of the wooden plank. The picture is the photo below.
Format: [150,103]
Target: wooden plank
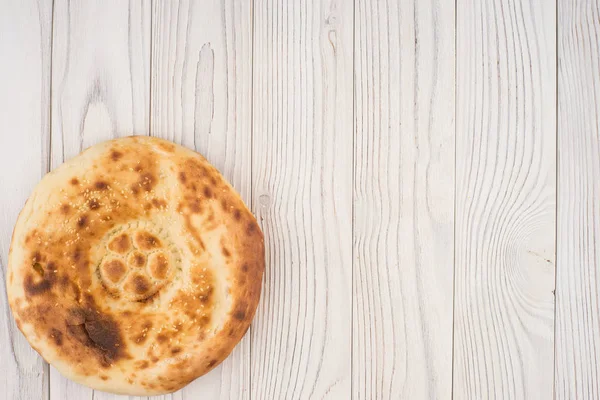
[201,98]
[505,199]
[25,33]
[577,371]
[302,182]
[403,200]
[100,90]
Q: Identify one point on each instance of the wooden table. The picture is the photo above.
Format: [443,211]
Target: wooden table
[426,173]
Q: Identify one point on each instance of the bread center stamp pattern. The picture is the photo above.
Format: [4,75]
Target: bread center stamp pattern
[138,261]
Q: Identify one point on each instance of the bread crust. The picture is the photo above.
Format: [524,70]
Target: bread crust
[135,268]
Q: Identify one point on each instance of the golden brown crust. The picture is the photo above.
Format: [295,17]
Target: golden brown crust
[135,268]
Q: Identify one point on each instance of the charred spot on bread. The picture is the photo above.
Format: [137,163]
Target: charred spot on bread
[35,287]
[115,155]
[100,185]
[82,221]
[93,204]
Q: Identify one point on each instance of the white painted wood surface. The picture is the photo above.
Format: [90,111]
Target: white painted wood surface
[417,168]
[403,200]
[577,366]
[505,199]
[302,177]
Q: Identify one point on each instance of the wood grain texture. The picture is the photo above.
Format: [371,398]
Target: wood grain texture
[302,180]
[25,33]
[403,200]
[577,364]
[100,91]
[505,199]
[201,98]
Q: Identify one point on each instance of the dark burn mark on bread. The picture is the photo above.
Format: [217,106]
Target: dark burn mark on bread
[147,181]
[104,377]
[195,206]
[75,316]
[93,204]
[251,228]
[212,363]
[77,255]
[182,177]
[115,155]
[100,185]
[176,350]
[245,267]
[207,192]
[33,288]
[74,181]
[56,336]
[82,221]
[161,338]
[37,267]
[141,338]
[97,331]
[240,315]
[65,208]
[237,214]
[204,320]
[226,252]
[206,296]
[104,334]
[69,289]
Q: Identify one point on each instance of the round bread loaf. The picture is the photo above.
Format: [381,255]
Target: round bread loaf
[134,267]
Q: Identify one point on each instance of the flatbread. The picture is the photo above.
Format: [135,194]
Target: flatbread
[134,267]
